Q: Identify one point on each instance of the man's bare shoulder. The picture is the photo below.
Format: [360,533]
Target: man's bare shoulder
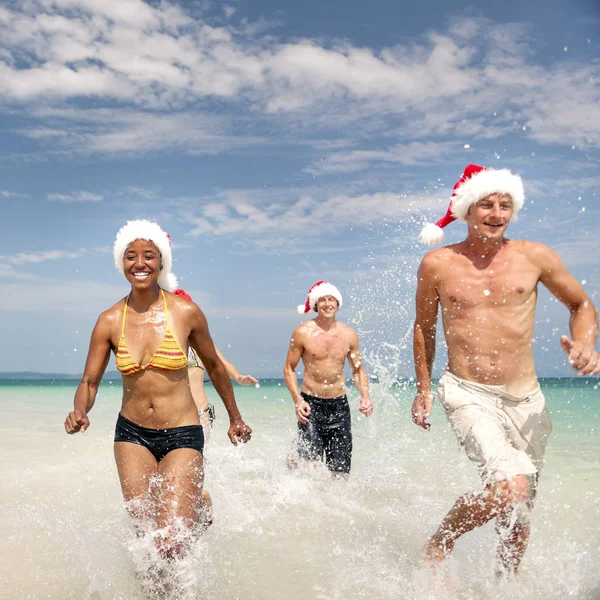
[303,329]
[535,252]
[345,329]
[436,260]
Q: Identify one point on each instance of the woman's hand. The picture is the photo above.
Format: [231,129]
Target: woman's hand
[246,380]
[76,421]
[239,432]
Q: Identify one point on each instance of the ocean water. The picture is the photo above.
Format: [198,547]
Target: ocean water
[281,534]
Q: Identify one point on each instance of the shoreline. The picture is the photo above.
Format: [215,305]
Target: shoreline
[110,378]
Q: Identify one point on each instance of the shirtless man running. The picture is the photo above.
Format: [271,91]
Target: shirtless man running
[487,288]
[322,408]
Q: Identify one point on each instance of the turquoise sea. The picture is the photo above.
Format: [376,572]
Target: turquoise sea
[282,534]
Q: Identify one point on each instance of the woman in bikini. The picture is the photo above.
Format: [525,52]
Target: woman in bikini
[158,438]
[196,375]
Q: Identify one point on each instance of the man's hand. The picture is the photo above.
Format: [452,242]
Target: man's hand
[303,411]
[76,421]
[583,359]
[239,432]
[247,380]
[366,407]
[421,409]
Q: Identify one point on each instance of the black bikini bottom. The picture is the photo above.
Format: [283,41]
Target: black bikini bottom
[160,441]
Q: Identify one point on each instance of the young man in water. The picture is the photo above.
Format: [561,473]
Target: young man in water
[322,410]
[487,289]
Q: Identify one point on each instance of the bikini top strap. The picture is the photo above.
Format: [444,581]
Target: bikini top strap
[124,313]
[166,311]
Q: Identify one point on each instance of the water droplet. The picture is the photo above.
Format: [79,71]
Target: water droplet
[467,146]
[486,292]
[257,385]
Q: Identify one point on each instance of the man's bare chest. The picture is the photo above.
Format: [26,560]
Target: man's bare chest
[507,285]
[326,346]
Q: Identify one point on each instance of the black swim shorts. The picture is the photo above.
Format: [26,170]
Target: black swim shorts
[160,441]
[327,432]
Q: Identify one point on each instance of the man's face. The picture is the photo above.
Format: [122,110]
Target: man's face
[490,217]
[327,306]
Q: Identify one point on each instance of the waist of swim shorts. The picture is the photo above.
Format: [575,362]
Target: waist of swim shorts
[150,432]
[492,390]
[316,399]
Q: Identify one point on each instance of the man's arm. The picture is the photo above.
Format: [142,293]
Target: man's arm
[95,365]
[583,322]
[289,374]
[361,381]
[204,347]
[234,373]
[427,301]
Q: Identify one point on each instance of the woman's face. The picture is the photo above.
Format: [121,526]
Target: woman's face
[142,264]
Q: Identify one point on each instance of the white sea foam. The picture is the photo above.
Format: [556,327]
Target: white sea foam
[281,534]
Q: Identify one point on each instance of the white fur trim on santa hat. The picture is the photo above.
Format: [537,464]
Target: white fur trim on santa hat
[484,183]
[432,234]
[141,229]
[324,289]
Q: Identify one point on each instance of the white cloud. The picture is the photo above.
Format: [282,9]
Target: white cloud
[125,131]
[9,194]
[67,298]
[43,132]
[411,154]
[162,62]
[285,224]
[38,257]
[80,197]
[229,10]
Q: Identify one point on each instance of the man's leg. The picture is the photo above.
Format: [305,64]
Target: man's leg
[338,441]
[513,539]
[513,528]
[474,510]
[311,443]
[531,427]
[476,414]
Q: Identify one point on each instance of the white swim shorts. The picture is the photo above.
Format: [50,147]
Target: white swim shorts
[503,435]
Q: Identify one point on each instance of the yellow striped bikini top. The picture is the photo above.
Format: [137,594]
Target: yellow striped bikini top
[168,357]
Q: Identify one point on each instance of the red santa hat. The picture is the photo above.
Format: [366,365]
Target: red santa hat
[140,229]
[183,294]
[475,184]
[318,290]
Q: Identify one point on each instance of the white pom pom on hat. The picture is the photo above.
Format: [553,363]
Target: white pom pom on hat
[475,183]
[318,290]
[141,229]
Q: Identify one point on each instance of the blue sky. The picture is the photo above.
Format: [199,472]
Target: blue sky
[280,144]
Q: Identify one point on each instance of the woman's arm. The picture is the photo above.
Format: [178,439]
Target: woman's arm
[95,365]
[234,373]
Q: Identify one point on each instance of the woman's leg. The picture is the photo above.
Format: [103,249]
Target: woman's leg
[180,500]
[136,466]
[204,416]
